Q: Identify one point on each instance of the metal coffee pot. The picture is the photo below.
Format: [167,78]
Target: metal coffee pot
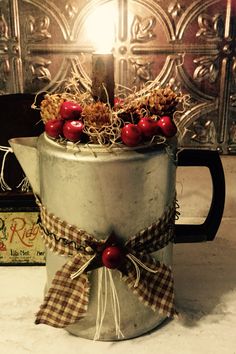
[121,191]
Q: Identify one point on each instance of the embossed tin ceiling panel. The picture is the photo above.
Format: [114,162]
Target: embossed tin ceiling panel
[189,44]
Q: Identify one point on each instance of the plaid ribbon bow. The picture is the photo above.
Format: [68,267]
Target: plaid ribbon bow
[67,299]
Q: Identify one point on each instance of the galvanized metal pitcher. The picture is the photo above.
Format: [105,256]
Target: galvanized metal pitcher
[121,191]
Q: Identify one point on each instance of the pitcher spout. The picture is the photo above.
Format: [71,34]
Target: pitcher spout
[26,153]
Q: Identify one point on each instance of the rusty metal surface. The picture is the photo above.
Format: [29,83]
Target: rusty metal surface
[188,43]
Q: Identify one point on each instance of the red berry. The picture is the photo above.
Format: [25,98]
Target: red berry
[148,126]
[73,129]
[118,101]
[112,257]
[54,128]
[167,126]
[131,134]
[70,110]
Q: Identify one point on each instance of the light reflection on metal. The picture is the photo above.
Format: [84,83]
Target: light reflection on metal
[100,27]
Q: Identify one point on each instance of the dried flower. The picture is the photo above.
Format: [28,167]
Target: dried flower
[50,107]
[100,123]
[96,115]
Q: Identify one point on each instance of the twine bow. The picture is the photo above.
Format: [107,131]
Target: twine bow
[68,297]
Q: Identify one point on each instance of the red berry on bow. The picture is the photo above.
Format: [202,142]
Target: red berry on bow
[112,257]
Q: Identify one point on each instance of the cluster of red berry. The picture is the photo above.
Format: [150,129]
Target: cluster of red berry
[134,134]
[70,126]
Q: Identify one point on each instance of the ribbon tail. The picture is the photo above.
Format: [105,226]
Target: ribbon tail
[67,299]
[154,289]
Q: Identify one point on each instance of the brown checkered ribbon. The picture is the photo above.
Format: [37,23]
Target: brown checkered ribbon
[67,300]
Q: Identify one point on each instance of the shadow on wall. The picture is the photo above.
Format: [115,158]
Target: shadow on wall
[205,277]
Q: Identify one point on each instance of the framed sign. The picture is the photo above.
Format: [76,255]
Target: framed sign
[20,240]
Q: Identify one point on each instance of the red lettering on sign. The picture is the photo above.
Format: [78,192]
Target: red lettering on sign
[25,232]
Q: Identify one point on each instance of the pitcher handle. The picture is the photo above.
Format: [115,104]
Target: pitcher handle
[207,230]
